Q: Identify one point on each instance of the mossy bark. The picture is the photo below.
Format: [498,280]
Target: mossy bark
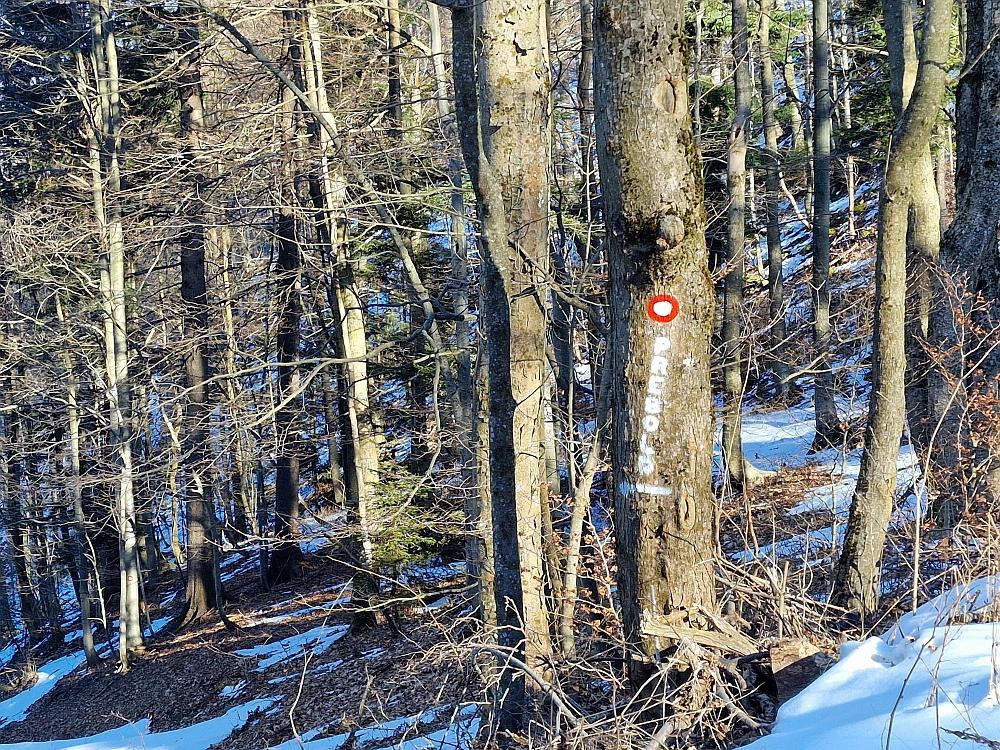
[661,440]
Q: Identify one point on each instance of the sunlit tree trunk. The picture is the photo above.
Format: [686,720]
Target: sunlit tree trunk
[772,181]
[964,323]
[106,189]
[661,313]
[858,570]
[504,132]
[732,313]
[84,566]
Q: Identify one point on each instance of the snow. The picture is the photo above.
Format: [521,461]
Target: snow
[134,736]
[928,674]
[316,641]
[402,734]
[837,497]
[782,439]
[255,618]
[16,708]
[233,691]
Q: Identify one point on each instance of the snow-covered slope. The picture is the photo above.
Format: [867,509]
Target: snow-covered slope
[928,676]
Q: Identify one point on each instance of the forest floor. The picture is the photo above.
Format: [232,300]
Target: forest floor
[292,675]
[290,659]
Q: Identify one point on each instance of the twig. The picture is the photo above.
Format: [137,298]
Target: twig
[560,701]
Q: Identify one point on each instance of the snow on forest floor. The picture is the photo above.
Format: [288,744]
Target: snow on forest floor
[930,676]
[780,441]
[290,660]
[293,659]
[201,736]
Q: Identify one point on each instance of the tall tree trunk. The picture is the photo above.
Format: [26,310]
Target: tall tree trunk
[286,554]
[772,181]
[514,120]
[828,428]
[507,154]
[85,570]
[201,594]
[922,243]
[858,570]
[964,324]
[106,188]
[360,456]
[14,521]
[732,313]
[476,552]
[661,313]
[797,124]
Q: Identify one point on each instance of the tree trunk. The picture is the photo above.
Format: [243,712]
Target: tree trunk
[858,570]
[201,596]
[14,521]
[829,431]
[923,237]
[772,181]
[106,189]
[661,313]
[732,313]
[963,325]
[507,155]
[286,554]
[84,567]
[466,419]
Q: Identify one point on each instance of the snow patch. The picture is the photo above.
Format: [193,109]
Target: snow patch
[315,641]
[926,675]
[132,736]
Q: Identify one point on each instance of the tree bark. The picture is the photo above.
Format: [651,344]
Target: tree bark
[507,155]
[772,181]
[466,417]
[201,594]
[856,584]
[661,313]
[732,312]
[286,554]
[84,567]
[965,321]
[104,146]
[829,431]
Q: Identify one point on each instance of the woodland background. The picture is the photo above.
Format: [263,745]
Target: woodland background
[351,291]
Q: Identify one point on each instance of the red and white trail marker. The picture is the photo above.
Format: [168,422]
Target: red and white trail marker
[663,308]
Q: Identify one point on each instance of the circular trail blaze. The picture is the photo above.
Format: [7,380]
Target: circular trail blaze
[663,308]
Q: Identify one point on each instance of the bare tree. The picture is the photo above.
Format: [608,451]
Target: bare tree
[732,315]
[828,428]
[858,569]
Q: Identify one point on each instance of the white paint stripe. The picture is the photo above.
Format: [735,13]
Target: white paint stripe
[653,489]
[647,489]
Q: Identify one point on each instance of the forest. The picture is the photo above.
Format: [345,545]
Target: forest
[513,373]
